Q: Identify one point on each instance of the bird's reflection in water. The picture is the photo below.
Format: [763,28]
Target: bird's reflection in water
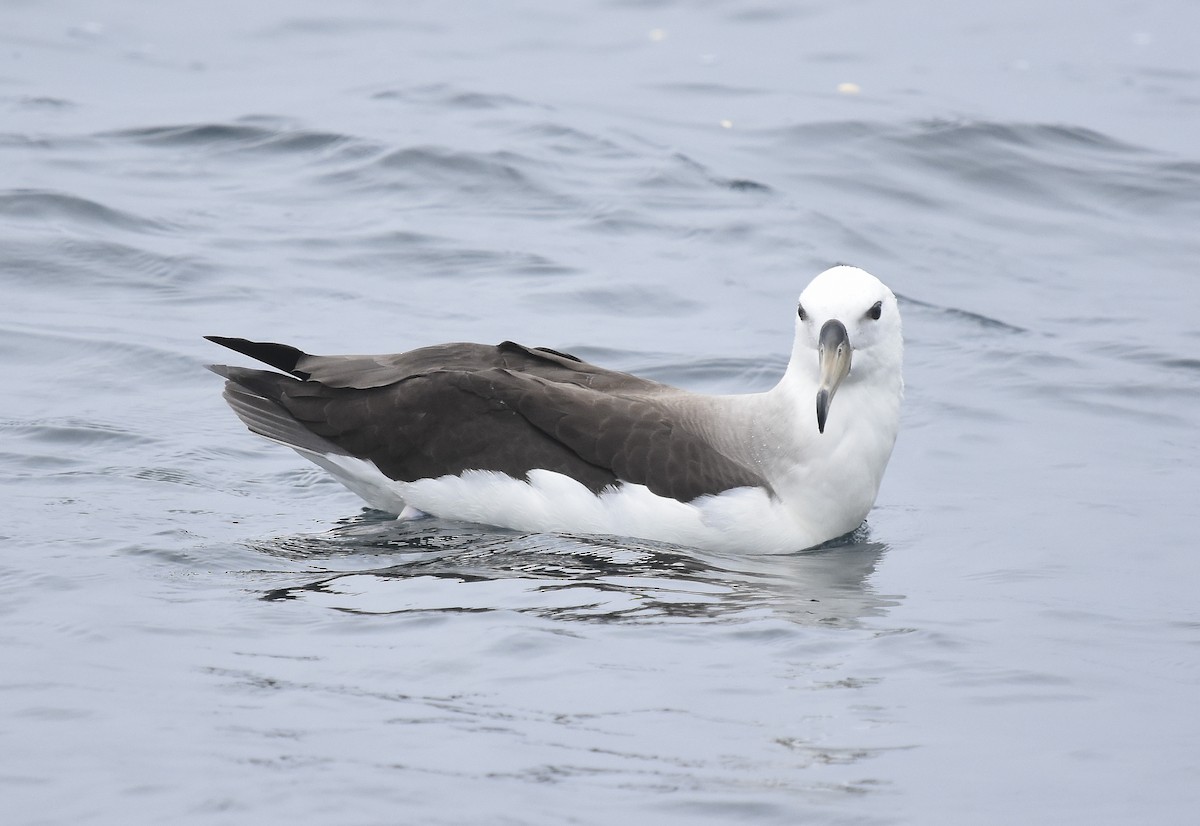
[431,565]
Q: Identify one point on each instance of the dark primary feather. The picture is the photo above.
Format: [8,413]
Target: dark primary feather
[455,407]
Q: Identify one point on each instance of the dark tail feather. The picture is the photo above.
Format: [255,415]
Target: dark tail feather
[256,396]
[280,356]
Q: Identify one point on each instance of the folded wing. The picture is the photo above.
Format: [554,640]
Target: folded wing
[447,409]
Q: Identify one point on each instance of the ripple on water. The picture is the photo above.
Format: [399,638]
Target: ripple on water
[435,173]
[424,256]
[74,433]
[95,266]
[561,139]
[42,206]
[432,565]
[1058,170]
[253,136]
[681,173]
[444,95]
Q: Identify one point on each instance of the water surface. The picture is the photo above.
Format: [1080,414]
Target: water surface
[200,627]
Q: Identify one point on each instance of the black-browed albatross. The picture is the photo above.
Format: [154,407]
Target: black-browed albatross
[534,439]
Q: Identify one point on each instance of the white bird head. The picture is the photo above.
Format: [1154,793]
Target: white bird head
[847,331]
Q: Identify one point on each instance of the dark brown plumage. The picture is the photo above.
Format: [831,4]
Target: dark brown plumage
[455,407]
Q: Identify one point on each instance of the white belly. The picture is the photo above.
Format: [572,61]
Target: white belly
[742,519]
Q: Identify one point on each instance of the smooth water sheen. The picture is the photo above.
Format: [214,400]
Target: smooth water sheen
[199,627]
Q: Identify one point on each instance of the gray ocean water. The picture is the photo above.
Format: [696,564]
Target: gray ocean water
[198,627]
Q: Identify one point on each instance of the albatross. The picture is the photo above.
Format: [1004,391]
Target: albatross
[534,439]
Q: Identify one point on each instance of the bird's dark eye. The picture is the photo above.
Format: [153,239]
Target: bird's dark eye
[876,310]
[800,312]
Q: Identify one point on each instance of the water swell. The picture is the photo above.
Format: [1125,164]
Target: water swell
[247,137]
[424,255]
[1051,167]
[442,95]
[49,207]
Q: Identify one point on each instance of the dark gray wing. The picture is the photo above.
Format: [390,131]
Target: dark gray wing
[425,427]
[434,422]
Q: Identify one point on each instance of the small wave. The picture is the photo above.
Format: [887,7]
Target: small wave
[622,221]
[122,365]
[23,141]
[1039,165]
[421,253]
[687,173]
[574,142]
[1181,363]
[171,475]
[45,102]
[91,266]
[450,164]
[957,134]
[742,185]
[41,205]
[247,137]
[450,97]
[72,432]
[1180,372]
[435,172]
[203,134]
[977,135]
[1063,168]
[978,319]
[709,89]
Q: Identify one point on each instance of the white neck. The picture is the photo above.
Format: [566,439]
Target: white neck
[853,451]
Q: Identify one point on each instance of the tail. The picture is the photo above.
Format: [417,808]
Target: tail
[265,401]
[258,398]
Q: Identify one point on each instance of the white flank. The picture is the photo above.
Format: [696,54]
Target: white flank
[742,519]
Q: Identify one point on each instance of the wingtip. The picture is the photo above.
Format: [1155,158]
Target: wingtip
[229,341]
[280,356]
